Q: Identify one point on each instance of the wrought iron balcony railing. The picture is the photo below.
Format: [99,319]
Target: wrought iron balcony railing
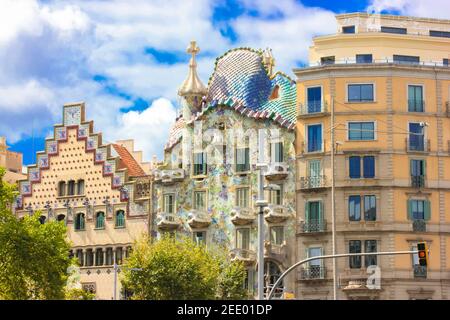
[313,182]
[313,225]
[313,273]
[419,225]
[312,108]
[417,143]
[417,181]
[420,271]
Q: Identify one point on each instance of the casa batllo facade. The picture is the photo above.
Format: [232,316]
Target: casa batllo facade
[101,191]
[207,186]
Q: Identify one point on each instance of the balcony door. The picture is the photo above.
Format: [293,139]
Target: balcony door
[314,102]
[315,266]
[416,137]
[314,170]
[313,215]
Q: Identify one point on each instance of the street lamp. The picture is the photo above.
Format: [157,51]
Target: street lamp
[116,269]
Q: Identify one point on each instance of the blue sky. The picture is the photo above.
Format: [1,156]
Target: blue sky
[126,59]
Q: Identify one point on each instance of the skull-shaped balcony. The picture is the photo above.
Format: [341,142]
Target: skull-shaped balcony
[198,219]
[169,176]
[276,213]
[167,221]
[242,216]
[248,257]
[276,171]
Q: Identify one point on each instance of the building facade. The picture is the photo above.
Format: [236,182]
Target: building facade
[207,186]
[11,161]
[381,84]
[101,192]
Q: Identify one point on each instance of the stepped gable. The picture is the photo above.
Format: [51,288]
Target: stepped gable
[74,118]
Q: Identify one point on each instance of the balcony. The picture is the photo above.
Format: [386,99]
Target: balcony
[312,183]
[276,171]
[417,144]
[419,225]
[312,109]
[198,219]
[313,148]
[420,271]
[313,273]
[248,257]
[170,176]
[313,226]
[417,181]
[167,221]
[276,213]
[416,105]
[275,251]
[242,216]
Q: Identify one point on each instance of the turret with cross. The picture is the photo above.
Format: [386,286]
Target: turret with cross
[192,89]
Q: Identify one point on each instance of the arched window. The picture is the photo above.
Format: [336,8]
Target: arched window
[271,274]
[80,187]
[120,219]
[79,221]
[100,220]
[61,189]
[99,257]
[109,256]
[89,257]
[42,219]
[119,255]
[60,217]
[80,257]
[71,188]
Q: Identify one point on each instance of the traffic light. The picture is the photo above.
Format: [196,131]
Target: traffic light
[423,253]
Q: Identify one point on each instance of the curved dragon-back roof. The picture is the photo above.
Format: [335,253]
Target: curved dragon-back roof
[241,80]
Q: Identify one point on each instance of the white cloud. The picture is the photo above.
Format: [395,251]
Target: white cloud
[417,8]
[51,50]
[286,26]
[148,128]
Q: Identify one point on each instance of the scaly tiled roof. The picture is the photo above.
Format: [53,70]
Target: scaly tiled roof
[175,133]
[127,161]
[241,81]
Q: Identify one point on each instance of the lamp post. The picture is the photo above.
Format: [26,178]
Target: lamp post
[116,269]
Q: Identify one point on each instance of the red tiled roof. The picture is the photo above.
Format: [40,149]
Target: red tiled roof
[127,161]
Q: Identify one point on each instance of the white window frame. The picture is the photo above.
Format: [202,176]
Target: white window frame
[355,83]
[307,137]
[375,129]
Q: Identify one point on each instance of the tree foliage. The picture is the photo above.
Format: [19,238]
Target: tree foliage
[181,270]
[33,256]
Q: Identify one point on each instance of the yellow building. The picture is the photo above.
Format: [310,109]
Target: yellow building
[11,161]
[101,191]
[387,80]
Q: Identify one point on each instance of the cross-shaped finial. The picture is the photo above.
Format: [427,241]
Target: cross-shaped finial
[193,48]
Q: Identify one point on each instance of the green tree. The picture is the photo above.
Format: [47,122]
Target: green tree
[33,256]
[181,269]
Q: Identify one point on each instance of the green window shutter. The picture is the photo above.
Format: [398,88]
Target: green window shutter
[411,167]
[427,210]
[306,211]
[320,211]
[424,168]
[410,217]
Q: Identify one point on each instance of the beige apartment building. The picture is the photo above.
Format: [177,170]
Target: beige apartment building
[100,190]
[11,161]
[381,84]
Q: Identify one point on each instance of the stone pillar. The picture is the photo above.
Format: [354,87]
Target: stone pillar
[94,254]
[84,257]
[104,256]
[114,255]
